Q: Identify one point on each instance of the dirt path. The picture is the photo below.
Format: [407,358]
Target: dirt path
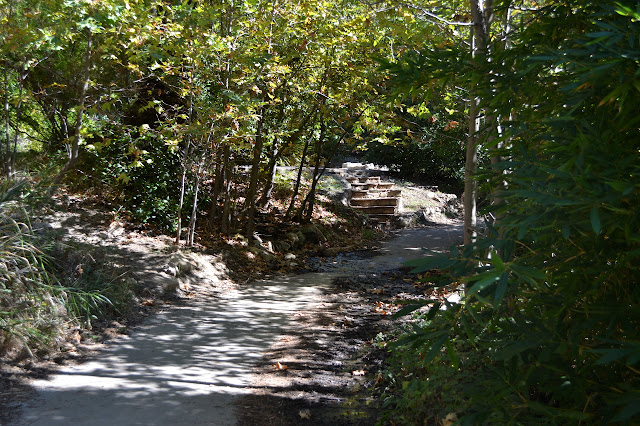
[191,363]
[332,363]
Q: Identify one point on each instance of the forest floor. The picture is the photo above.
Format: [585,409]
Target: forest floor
[326,361]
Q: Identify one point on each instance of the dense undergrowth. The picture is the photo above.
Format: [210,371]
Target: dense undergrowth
[548,332]
[40,298]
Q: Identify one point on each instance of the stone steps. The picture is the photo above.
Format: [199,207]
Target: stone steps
[377,201]
[374,197]
[375,193]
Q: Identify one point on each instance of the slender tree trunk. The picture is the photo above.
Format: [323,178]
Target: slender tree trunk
[225,221]
[271,176]
[481,15]
[496,158]
[307,214]
[7,111]
[183,184]
[296,188]
[217,185]
[306,209]
[7,124]
[16,130]
[250,202]
[194,212]
[74,150]
[293,137]
[470,184]
[318,175]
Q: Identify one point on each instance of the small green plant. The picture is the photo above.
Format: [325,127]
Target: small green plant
[29,304]
[368,234]
[96,294]
[34,303]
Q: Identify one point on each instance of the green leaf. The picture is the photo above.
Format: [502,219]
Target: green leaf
[631,408]
[487,279]
[435,348]
[497,261]
[595,221]
[510,351]
[453,355]
[502,288]
[438,261]
[413,307]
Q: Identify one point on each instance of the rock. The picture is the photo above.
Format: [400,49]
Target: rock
[180,265]
[242,240]
[289,256]
[453,211]
[301,238]
[313,234]
[164,282]
[116,229]
[266,256]
[263,254]
[331,251]
[296,239]
[41,227]
[306,414]
[403,221]
[282,246]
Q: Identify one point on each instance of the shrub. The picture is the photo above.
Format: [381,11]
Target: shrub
[29,310]
[552,296]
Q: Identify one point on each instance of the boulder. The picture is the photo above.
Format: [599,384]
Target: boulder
[282,246]
[313,234]
[180,265]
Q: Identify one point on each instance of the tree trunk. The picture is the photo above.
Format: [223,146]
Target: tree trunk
[296,187]
[7,124]
[217,186]
[496,196]
[250,202]
[271,176]
[225,220]
[191,233]
[306,209]
[470,184]
[74,150]
[307,214]
[16,130]
[481,13]
[183,182]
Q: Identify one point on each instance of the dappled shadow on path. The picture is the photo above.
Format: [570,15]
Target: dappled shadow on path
[332,362]
[184,366]
[189,363]
[321,351]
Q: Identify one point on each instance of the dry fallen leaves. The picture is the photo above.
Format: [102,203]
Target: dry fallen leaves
[280,367]
[305,414]
[384,308]
[450,419]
